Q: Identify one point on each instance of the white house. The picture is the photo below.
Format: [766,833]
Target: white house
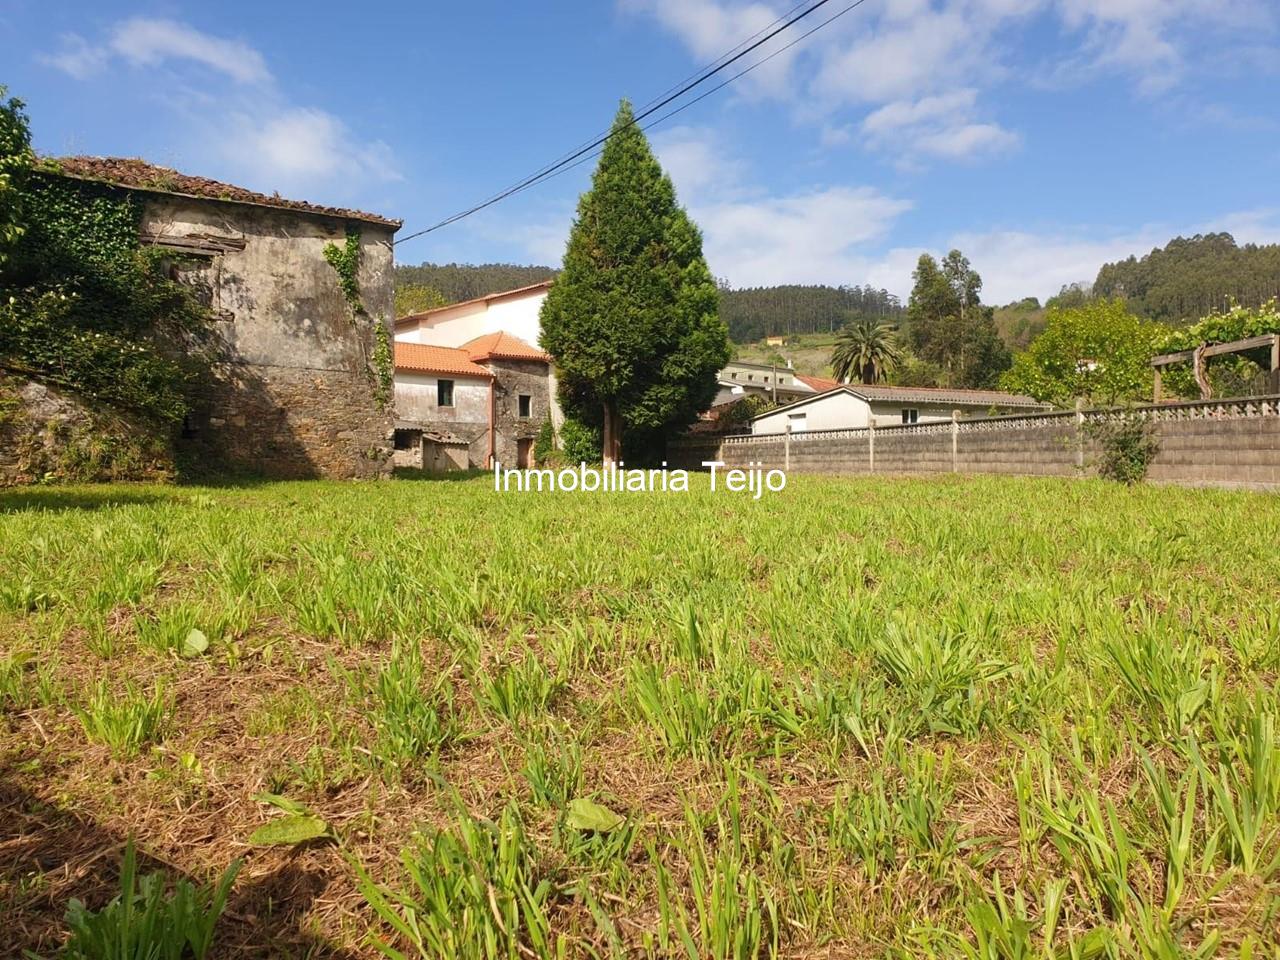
[740,378]
[859,405]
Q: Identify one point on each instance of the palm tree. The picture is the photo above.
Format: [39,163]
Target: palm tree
[866,349]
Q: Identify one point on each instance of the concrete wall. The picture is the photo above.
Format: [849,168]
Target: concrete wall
[1234,443]
[416,399]
[833,411]
[291,389]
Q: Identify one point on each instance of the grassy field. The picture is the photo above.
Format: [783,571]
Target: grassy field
[944,717]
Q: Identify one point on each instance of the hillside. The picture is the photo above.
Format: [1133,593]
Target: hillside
[749,313]
[464,281]
[1191,277]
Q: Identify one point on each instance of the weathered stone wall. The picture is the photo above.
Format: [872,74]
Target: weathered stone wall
[1233,443]
[515,377]
[50,434]
[291,393]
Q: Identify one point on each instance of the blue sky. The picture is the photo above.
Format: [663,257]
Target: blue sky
[1042,137]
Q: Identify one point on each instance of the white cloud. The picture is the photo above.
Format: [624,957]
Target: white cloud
[810,237]
[709,28]
[304,144]
[245,120]
[1021,263]
[907,55]
[77,58]
[696,161]
[148,42]
[941,125]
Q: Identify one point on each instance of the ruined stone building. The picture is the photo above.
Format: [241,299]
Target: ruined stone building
[291,390]
[470,385]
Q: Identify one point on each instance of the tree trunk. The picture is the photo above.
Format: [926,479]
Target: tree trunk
[611,435]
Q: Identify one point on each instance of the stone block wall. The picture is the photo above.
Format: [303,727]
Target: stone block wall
[1230,443]
[511,379]
[291,391]
[51,434]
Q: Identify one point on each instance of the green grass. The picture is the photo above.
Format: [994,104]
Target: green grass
[996,718]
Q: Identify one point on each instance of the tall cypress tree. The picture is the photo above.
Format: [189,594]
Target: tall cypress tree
[633,320]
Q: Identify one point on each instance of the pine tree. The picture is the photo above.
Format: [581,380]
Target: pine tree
[633,320]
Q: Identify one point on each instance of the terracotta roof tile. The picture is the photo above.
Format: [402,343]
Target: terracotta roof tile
[944,395]
[503,346]
[137,174]
[424,358]
[821,384]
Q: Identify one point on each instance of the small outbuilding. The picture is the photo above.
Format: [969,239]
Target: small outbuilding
[853,406]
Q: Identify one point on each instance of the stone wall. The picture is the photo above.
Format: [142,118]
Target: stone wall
[50,434]
[515,377]
[1232,443]
[291,390]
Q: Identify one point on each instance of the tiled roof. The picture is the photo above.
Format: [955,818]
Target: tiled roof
[820,384]
[138,174]
[991,398]
[503,346]
[423,358]
[487,298]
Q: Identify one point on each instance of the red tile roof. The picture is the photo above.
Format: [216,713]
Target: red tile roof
[821,384]
[503,346]
[424,358]
[138,174]
[486,299]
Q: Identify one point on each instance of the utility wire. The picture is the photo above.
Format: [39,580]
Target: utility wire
[693,76]
[685,88]
[543,178]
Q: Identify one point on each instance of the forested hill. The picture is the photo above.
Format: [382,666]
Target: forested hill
[1188,278]
[751,314]
[757,312]
[464,281]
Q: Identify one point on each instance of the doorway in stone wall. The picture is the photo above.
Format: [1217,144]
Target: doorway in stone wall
[524,451]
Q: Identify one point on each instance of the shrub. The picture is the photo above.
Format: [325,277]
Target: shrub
[1127,447]
[580,443]
[545,444]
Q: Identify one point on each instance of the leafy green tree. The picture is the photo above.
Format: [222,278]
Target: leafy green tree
[1100,352]
[633,321]
[15,160]
[865,349]
[948,326]
[416,297]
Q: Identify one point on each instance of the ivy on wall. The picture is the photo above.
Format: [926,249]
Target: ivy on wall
[83,305]
[345,261]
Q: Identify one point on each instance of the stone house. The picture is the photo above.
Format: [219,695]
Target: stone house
[291,389]
[465,407]
[479,348]
[514,312]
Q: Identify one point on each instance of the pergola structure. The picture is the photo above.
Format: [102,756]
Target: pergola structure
[1198,355]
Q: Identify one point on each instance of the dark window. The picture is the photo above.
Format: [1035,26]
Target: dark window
[407,439]
[526,406]
[910,416]
[444,393]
